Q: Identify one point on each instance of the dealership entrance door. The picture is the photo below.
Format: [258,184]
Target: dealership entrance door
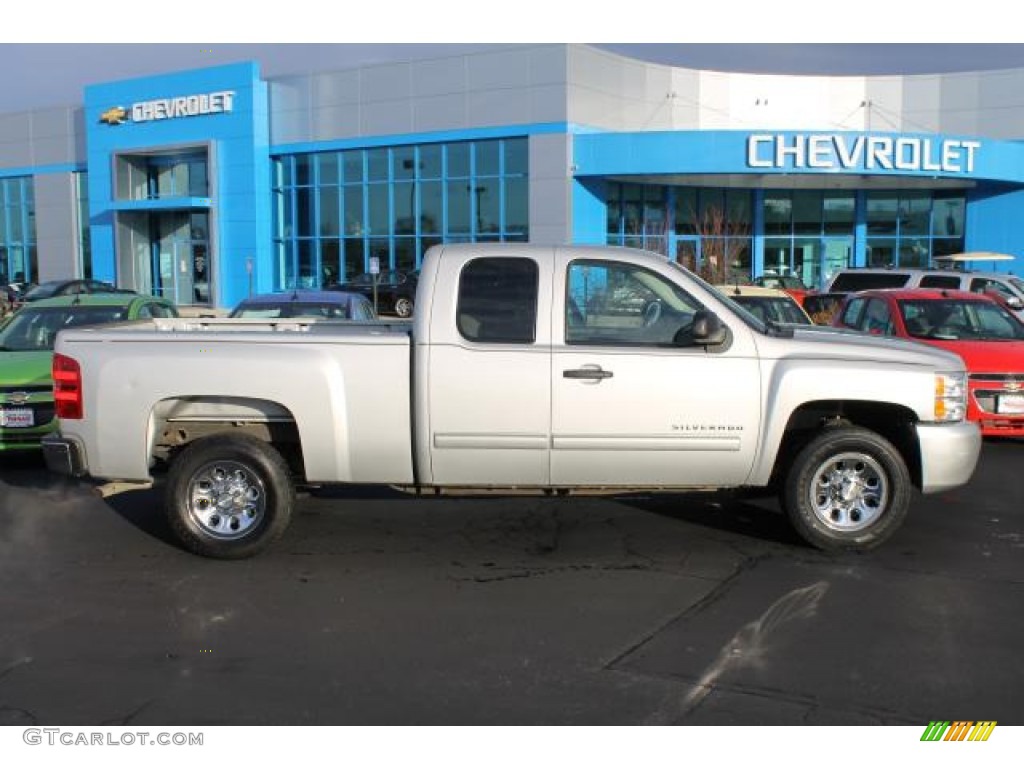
[167,253]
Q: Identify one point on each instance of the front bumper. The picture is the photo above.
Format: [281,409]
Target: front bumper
[64,456]
[949,454]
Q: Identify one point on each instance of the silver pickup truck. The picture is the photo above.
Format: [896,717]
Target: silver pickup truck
[526,367]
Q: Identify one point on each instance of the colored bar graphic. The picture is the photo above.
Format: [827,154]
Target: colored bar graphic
[982,730]
[959,730]
[935,730]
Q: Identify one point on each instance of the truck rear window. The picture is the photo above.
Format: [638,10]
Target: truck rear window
[498,300]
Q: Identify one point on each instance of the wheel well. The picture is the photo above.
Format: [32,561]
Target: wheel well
[892,421]
[177,422]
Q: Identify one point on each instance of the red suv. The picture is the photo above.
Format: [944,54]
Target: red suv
[989,338]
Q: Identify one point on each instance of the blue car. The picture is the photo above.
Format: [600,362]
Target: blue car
[330,305]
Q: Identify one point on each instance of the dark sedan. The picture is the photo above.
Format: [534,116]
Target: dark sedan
[53,288]
[396,291]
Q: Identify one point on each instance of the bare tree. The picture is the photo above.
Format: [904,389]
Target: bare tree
[722,242]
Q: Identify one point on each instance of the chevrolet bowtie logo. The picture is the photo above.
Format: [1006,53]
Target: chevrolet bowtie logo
[18,398]
[114,116]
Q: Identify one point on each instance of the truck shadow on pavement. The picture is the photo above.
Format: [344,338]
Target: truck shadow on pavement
[750,517]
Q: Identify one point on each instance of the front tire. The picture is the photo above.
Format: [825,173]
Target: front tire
[848,489]
[228,496]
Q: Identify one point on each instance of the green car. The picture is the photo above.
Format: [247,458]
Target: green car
[26,352]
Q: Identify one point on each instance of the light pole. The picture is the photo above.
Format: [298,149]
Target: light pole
[477,192]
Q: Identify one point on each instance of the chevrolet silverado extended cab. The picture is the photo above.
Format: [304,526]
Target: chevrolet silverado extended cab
[555,369]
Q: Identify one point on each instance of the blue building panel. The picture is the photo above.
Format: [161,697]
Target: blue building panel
[223,108]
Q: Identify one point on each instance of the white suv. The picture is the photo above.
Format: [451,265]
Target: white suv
[1009,286]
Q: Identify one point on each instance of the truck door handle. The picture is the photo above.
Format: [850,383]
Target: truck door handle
[594,373]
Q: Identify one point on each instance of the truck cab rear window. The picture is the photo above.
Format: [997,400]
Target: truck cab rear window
[498,300]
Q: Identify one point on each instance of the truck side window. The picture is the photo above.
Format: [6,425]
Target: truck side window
[498,300]
[617,303]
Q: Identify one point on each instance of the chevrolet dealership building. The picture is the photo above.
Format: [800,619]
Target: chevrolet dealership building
[207,185]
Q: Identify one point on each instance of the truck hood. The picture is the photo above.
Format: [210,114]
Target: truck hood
[25,369]
[828,343]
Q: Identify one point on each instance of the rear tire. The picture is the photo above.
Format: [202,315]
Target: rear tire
[228,496]
[848,489]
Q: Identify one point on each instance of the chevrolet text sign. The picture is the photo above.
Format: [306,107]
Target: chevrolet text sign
[848,152]
[167,109]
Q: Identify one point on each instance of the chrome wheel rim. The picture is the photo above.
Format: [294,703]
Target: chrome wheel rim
[226,500]
[403,307]
[850,492]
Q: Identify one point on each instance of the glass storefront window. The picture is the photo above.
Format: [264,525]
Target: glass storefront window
[404,221]
[839,212]
[881,251]
[395,202]
[488,206]
[686,211]
[354,224]
[303,171]
[405,253]
[516,206]
[405,163]
[330,262]
[458,160]
[487,158]
[430,161]
[516,157]
[807,212]
[459,205]
[377,203]
[778,213]
[632,209]
[913,253]
[738,205]
[352,164]
[883,213]
[304,212]
[329,172]
[431,208]
[915,212]
[330,198]
[948,218]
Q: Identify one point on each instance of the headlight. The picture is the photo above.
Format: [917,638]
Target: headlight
[950,396]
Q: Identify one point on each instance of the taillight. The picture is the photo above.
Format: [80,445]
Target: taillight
[67,387]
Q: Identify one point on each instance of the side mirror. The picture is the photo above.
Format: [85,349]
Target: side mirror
[1015,303]
[707,330]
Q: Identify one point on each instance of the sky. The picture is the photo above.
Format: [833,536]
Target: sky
[48,56]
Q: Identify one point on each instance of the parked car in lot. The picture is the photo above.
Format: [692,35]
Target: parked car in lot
[767,304]
[822,308]
[864,279]
[791,284]
[26,352]
[988,337]
[396,291]
[332,305]
[72,287]
[529,368]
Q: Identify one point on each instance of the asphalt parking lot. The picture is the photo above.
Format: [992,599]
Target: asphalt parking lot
[378,608]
